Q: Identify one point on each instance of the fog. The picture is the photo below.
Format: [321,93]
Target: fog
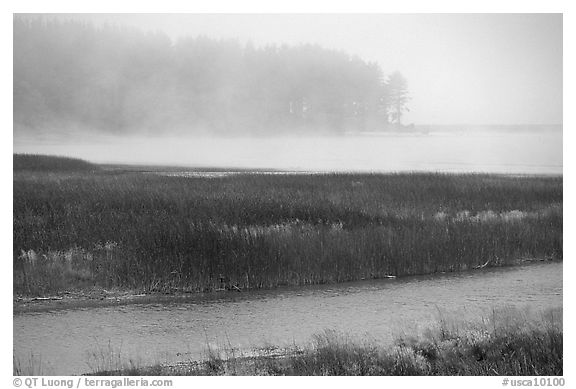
[495,151]
[370,93]
[462,68]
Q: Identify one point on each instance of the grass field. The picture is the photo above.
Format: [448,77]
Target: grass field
[78,225]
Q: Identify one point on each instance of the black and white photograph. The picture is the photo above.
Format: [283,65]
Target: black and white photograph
[286,194]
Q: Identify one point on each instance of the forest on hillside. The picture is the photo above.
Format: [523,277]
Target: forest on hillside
[122,80]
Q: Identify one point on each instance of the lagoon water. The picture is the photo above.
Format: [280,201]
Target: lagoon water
[494,151]
[77,341]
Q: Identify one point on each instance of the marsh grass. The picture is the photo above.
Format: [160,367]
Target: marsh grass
[33,365]
[45,163]
[508,343]
[495,347]
[108,358]
[149,232]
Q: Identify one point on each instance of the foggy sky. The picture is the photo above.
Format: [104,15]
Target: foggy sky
[461,68]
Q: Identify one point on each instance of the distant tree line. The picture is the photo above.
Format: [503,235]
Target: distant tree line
[121,80]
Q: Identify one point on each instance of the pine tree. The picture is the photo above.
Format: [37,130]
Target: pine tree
[397,88]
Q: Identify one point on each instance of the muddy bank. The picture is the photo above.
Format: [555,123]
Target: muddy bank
[100,297]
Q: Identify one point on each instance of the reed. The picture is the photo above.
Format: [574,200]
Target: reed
[509,343]
[504,345]
[142,231]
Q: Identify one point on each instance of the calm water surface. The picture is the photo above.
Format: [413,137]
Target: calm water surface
[66,340]
[490,152]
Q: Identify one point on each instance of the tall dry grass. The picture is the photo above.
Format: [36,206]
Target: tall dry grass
[155,233]
[508,343]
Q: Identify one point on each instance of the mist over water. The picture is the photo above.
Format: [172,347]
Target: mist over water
[208,97]
[438,151]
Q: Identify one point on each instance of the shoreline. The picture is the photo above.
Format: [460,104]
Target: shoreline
[98,297]
[450,347]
